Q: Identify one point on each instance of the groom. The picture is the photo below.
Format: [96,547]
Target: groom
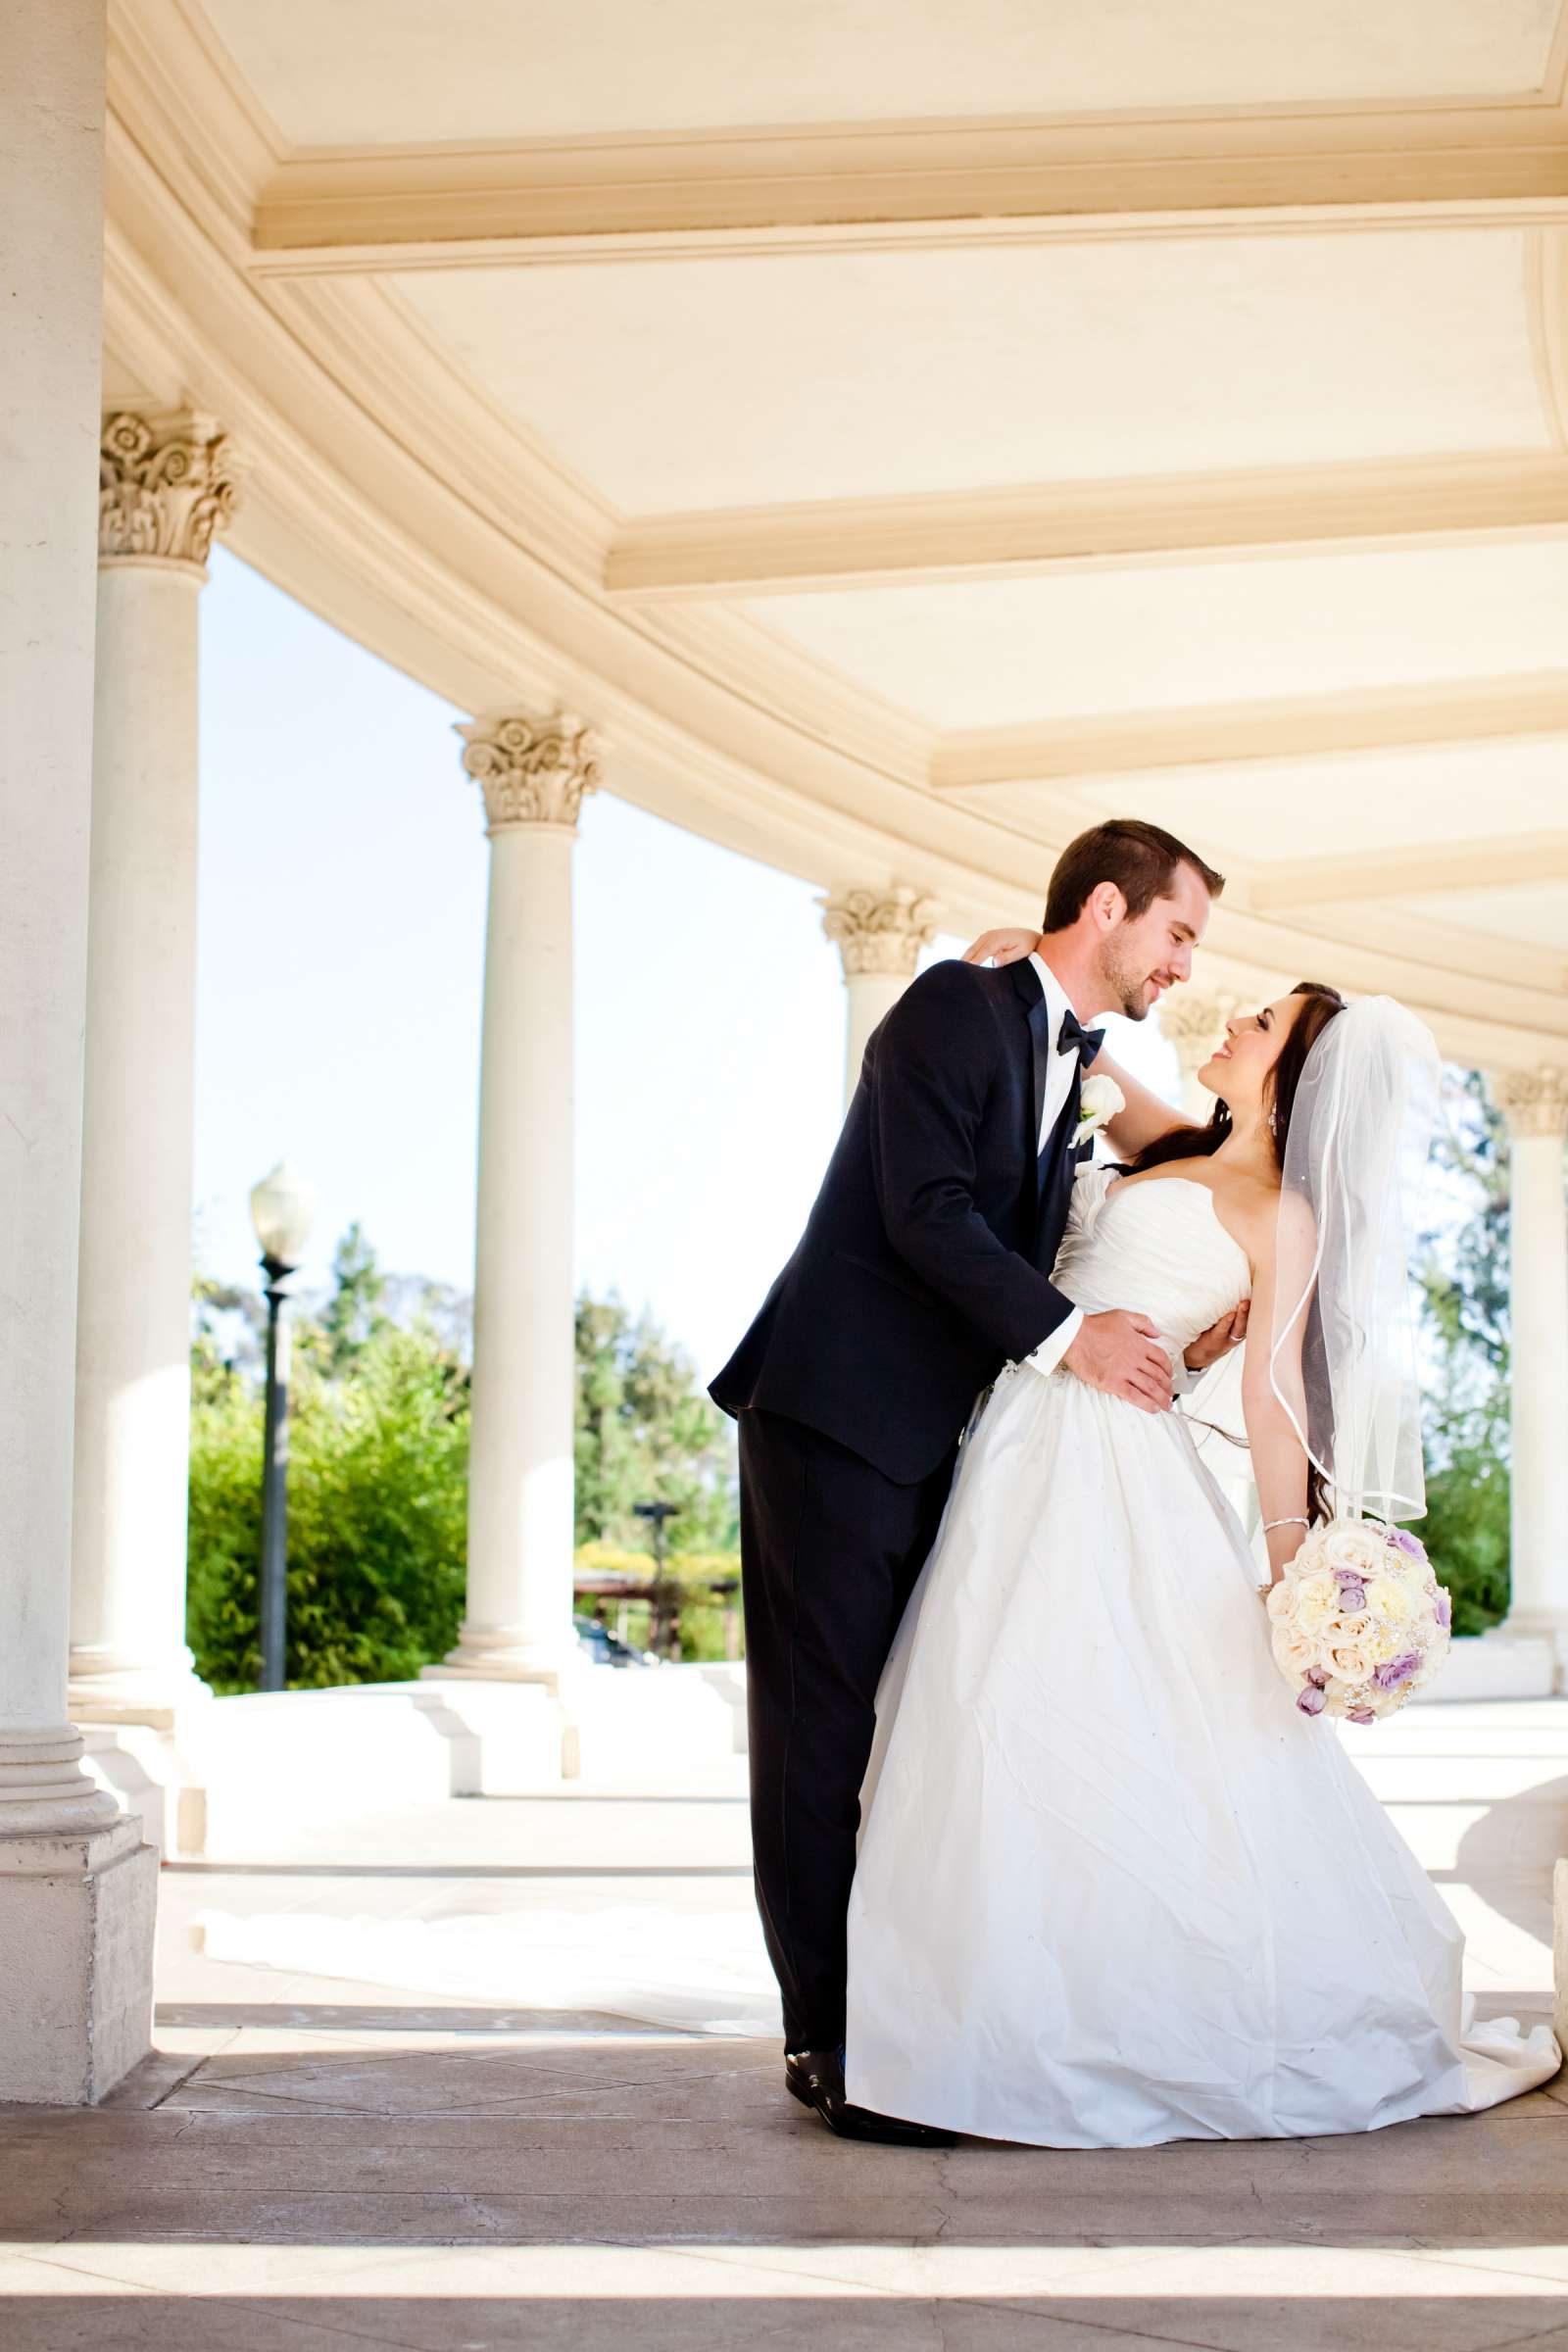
[924,1268]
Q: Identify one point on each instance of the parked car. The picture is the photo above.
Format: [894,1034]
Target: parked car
[607,1648]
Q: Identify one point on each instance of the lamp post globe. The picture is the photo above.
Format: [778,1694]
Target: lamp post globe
[282,1212]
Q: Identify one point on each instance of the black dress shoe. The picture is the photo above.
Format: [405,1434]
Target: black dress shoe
[817,2078]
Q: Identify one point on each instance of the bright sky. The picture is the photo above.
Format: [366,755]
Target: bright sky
[342,943]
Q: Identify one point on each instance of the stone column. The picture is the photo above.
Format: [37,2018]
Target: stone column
[879,933]
[165,485]
[1194,1025]
[78,1889]
[1535,1105]
[533,772]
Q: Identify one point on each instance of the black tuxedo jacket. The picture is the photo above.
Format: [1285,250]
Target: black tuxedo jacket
[924,1263]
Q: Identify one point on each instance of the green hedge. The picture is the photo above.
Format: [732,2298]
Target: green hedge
[376,1506]
[1466,1533]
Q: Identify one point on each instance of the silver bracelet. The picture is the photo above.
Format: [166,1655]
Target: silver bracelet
[1295,1520]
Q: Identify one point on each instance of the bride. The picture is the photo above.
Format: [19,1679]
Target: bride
[1112,1888]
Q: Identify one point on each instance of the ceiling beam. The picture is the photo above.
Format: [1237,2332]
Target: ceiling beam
[1482,956]
[1311,726]
[780,550]
[653,194]
[1521,861]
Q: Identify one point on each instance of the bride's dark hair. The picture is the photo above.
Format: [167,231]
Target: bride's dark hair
[1197,1142]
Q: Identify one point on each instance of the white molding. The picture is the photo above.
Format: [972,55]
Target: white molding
[443,420]
[1293,727]
[1419,869]
[1448,947]
[167,74]
[373,208]
[1039,527]
[745,655]
[1544,254]
[936,237]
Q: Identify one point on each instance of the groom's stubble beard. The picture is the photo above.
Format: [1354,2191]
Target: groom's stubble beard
[1124,984]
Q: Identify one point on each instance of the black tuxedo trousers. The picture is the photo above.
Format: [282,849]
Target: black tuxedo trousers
[830,1551]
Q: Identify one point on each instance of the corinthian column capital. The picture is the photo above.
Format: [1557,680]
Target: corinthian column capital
[532,770]
[880,930]
[1533,1101]
[1194,1025]
[165,485]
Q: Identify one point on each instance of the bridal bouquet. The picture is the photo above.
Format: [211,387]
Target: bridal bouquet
[1358,1621]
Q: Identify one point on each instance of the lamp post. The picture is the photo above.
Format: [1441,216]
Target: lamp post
[663,1630]
[282,1208]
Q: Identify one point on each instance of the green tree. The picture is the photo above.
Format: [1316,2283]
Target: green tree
[352,1316]
[228,1334]
[1464,1281]
[377,1489]
[646,1433]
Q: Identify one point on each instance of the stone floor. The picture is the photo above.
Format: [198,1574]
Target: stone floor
[311,2162]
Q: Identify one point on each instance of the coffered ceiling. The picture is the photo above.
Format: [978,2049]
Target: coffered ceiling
[910,435]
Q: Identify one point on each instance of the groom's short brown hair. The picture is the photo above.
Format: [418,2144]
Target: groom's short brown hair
[1141,859]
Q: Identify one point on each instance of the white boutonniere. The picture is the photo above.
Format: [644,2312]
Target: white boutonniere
[1100,1099]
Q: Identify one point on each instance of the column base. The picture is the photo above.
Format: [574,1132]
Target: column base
[152,1777]
[108,1689]
[135,1719]
[78,1909]
[1504,1662]
[1547,1626]
[501,1655]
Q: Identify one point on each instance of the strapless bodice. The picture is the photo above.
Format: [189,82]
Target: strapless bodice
[1155,1246]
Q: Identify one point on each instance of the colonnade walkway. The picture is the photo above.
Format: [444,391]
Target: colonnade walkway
[313,2162]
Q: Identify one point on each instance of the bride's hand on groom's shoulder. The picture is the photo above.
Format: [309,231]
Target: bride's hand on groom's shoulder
[1218,1340]
[1001,947]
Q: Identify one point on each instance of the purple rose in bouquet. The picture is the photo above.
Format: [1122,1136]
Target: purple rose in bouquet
[1395,1671]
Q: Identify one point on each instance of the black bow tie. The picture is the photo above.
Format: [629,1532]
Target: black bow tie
[1074,1037]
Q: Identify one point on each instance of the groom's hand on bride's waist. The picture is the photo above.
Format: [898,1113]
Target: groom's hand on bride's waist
[1121,1353]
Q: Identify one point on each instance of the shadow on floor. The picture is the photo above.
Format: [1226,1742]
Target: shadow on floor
[1507,1855]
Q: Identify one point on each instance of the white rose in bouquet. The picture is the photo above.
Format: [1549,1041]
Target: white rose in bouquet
[1348,1661]
[1295,1654]
[1316,1602]
[1395,1601]
[1361,1548]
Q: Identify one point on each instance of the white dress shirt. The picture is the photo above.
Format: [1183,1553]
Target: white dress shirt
[1059,1082]
[1059,1072]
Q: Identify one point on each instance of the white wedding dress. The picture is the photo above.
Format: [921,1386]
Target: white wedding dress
[1113,1889]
